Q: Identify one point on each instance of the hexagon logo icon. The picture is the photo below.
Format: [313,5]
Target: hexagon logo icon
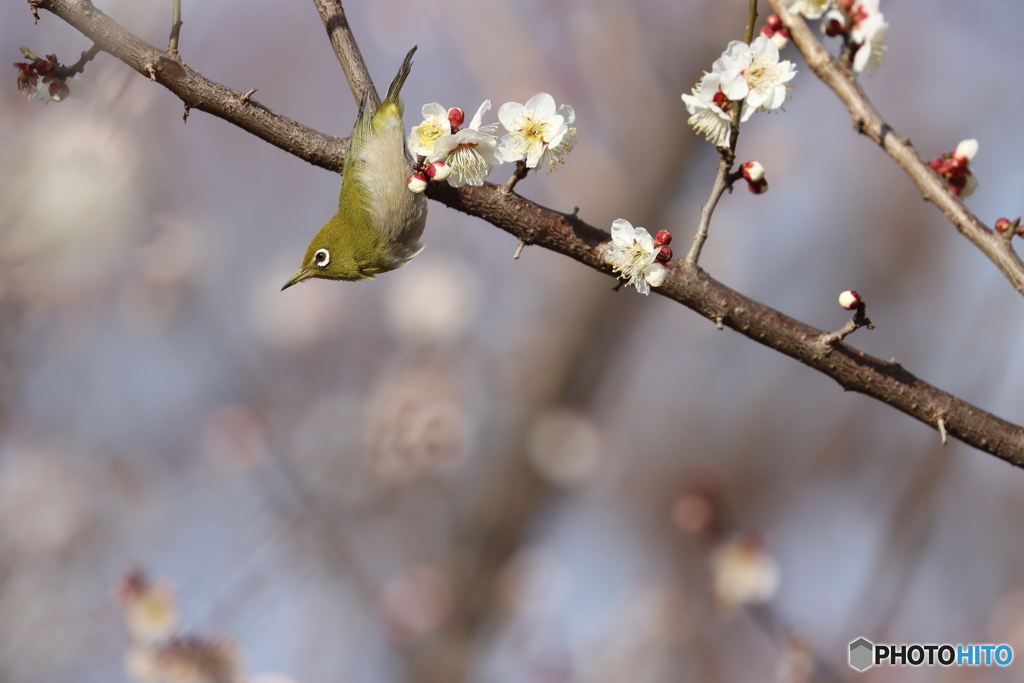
[861,651]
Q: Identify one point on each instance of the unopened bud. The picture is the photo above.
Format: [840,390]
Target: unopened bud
[664,255]
[774,21]
[439,171]
[760,187]
[850,300]
[59,91]
[966,150]
[43,67]
[780,38]
[753,171]
[456,117]
[834,23]
[662,237]
[1004,225]
[417,183]
[656,274]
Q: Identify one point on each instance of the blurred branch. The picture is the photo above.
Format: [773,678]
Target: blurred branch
[172,42]
[196,91]
[566,234]
[868,121]
[345,48]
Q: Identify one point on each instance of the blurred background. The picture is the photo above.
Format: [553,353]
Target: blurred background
[479,468]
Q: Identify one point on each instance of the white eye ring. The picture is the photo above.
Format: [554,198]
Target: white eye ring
[321,258]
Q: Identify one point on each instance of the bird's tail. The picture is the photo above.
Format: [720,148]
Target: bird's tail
[399,81]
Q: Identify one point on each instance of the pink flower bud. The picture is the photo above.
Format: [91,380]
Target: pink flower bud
[936,164]
[753,171]
[1004,225]
[439,171]
[417,183]
[662,237]
[760,187]
[780,38]
[456,117]
[664,254]
[774,21]
[850,300]
[966,150]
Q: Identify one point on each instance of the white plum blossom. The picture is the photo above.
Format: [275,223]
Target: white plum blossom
[471,152]
[707,114]
[632,254]
[754,74]
[435,125]
[811,9]
[53,89]
[867,34]
[743,573]
[751,74]
[538,132]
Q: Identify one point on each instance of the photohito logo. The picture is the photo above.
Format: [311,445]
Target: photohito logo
[865,654]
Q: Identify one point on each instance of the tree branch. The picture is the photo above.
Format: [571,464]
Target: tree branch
[198,92]
[868,121]
[566,234]
[346,50]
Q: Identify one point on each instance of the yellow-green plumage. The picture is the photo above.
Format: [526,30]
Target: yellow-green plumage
[379,221]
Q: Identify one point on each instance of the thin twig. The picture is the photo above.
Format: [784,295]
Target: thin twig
[942,430]
[346,50]
[519,249]
[858,321]
[868,121]
[172,42]
[517,175]
[79,66]
[717,190]
[245,97]
[724,178]
[34,6]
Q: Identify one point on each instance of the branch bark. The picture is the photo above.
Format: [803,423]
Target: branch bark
[345,49]
[868,121]
[566,234]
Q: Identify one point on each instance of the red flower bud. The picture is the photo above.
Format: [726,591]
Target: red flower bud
[774,21]
[456,117]
[664,254]
[44,67]
[662,237]
[1003,225]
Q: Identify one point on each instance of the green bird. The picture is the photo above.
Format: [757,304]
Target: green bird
[379,221]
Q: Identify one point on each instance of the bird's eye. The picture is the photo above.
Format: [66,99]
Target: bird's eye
[322,257]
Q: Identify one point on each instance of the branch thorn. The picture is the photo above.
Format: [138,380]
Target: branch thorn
[942,430]
[519,249]
[246,96]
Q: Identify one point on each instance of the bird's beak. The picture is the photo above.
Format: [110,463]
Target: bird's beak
[298,277]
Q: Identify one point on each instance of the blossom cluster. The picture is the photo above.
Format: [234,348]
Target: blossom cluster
[539,133]
[747,76]
[41,80]
[637,257]
[955,168]
[858,22]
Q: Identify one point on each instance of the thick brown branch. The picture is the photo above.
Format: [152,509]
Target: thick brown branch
[566,234]
[691,286]
[196,91]
[868,121]
[346,50]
